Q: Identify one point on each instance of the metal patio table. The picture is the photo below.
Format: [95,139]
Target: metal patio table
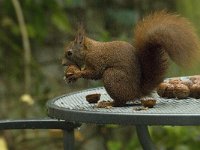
[74,108]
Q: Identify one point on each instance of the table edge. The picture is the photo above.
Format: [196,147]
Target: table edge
[79,116]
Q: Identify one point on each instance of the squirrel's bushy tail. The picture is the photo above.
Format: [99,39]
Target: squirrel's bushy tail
[158,36]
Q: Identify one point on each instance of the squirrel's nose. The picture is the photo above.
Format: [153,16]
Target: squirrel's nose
[64,62]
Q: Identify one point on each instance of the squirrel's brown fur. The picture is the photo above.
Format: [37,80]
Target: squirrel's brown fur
[132,71]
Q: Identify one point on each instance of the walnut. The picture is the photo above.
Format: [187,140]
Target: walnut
[195,79]
[169,91]
[161,88]
[195,91]
[180,88]
[71,69]
[181,91]
[174,81]
[187,82]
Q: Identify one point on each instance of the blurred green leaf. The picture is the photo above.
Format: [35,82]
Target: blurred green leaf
[114,145]
[76,3]
[60,20]
[123,16]
[7,21]
[31,31]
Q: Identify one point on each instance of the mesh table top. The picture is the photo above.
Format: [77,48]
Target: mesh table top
[74,108]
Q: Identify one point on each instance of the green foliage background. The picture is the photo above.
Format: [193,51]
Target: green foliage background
[50,24]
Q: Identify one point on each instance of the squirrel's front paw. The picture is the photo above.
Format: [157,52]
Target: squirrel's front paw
[72,73]
[74,77]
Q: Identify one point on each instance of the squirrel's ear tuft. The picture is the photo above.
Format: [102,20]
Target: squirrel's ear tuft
[80,35]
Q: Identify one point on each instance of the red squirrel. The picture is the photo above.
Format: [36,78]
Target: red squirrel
[130,71]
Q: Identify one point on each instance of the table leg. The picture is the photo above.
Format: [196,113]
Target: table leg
[144,137]
[68,139]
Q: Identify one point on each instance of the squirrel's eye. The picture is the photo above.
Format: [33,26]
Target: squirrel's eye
[69,52]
